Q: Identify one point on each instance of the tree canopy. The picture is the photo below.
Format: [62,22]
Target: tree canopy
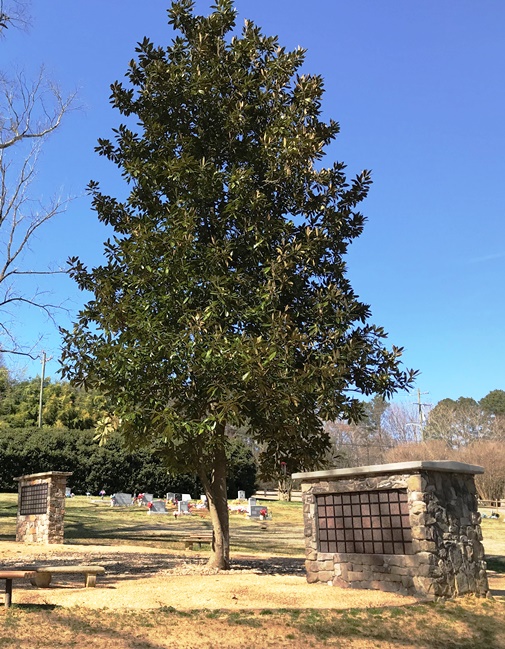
[463,421]
[64,406]
[224,297]
[494,402]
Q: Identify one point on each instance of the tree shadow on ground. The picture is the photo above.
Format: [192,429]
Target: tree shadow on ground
[62,627]
[271,565]
[437,626]
[35,607]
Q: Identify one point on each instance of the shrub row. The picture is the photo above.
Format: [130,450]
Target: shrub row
[109,467]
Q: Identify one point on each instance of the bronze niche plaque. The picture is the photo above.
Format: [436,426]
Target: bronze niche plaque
[33,499]
[364,522]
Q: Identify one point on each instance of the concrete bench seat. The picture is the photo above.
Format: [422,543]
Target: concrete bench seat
[43,576]
[201,537]
[10,576]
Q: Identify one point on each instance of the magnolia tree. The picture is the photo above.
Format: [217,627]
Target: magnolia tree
[224,297]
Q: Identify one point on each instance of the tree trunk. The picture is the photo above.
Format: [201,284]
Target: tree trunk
[215,490]
[285,487]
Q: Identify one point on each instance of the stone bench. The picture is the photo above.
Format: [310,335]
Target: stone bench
[202,537]
[42,576]
[9,576]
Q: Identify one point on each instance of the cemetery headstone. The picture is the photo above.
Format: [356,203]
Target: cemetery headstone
[158,507]
[122,500]
[148,498]
[177,497]
[203,498]
[182,507]
[170,496]
[68,492]
[251,503]
[241,495]
[186,497]
[255,511]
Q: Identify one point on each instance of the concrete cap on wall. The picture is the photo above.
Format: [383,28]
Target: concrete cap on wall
[396,468]
[46,474]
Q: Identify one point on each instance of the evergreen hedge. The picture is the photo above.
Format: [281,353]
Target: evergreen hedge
[33,450]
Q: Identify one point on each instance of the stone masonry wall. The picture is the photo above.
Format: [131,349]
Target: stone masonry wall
[447,553]
[48,527]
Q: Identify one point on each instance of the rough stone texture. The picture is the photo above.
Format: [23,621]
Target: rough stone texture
[43,528]
[448,557]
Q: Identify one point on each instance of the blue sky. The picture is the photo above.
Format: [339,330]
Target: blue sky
[418,90]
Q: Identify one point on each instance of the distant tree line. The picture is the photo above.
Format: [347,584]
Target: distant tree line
[460,429]
[66,442]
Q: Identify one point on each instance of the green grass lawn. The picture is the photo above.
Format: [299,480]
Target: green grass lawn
[90,520]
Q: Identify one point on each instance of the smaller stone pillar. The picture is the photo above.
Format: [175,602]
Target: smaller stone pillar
[41,507]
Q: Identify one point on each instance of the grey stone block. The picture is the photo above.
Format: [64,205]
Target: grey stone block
[326,575]
[407,560]
[390,586]
[400,570]
[341,583]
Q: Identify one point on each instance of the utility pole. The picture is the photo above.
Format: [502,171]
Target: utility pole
[422,418]
[44,359]
[420,405]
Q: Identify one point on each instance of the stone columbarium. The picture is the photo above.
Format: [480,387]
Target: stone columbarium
[410,527]
[41,507]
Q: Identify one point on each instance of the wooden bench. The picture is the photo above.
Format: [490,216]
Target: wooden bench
[43,576]
[9,576]
[202,537]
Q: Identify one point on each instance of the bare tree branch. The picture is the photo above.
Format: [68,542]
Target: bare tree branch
[13,14]
[41,272]
[29,112]
[18,353]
